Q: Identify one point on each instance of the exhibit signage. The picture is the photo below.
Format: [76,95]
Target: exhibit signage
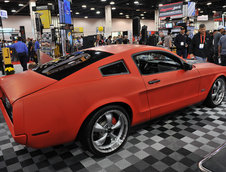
[3,14]
[202,18]
[67,11]
[191,9]
[61,11]
[64,11]
[174,10]
[45,17]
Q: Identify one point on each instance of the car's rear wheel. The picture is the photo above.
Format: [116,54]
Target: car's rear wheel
[217,93]
[107,130]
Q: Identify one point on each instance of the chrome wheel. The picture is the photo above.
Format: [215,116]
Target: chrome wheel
[109,131]
[218,91]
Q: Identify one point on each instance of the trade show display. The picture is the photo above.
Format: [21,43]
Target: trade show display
[113,86]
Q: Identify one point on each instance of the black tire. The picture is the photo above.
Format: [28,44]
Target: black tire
[89,133]
[210,102]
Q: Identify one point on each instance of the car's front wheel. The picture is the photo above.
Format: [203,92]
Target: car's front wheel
[107,130]
[216,94]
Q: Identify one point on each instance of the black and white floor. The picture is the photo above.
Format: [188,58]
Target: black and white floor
[176,142]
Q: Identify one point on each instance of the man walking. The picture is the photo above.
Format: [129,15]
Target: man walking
[222,50]
[201,45]
[22,52]
[181,43]
[216,38]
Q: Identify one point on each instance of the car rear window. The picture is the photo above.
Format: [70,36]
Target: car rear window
[62,67]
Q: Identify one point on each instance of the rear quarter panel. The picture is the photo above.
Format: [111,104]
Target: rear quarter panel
[62,107]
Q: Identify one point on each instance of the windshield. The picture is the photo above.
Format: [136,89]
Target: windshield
[62,67]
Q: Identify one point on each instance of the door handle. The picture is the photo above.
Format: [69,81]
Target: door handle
[153,82]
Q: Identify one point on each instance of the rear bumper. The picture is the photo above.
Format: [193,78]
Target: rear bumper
[22,139]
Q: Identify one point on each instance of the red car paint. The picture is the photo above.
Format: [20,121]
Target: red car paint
[48,112]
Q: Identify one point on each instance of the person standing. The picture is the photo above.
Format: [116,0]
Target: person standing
[37,48]
[201,45]
[125,40]
[108,41]
[30,47]
[216,39]
[168,41]
[22,52]
[181,42]
[222,50]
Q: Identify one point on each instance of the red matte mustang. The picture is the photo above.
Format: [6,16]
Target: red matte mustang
[99,93]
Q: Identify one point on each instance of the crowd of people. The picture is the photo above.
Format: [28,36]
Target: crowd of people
[109,41]
[23,51]
[203,46]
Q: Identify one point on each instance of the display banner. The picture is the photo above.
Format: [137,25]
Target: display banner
[3,14]
[69,37]
[61,11]
[217,15]
[191,9]
[45,17]
[174,10]
[67,11]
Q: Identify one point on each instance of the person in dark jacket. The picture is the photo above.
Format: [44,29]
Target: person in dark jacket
[22,52]
[201,45]
[181,42]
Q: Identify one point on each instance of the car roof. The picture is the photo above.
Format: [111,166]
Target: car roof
[120,48]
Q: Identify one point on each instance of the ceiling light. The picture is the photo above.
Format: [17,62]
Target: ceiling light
[141,14]
[71,11]
[103,0]
[214,11]
[127,3]
[201,11]
[127,17]
[224,6]
[138,10]
[120,13]
[112,3]
[84,6]
[92,9]
[142,17]
[86,17]
[98,12]
[113,8]
[6,1]
[13,11]
[136,2]
[20,5]
[160,5]
[145,12]
[50,3]
[209,3]
[77,13]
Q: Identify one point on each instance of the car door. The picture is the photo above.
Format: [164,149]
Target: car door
[169,86]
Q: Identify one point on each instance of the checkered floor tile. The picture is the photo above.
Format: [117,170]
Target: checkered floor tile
[176,142]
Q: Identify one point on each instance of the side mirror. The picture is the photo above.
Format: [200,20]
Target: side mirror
[187,66]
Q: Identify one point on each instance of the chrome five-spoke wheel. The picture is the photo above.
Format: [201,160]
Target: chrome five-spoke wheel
[217,93]
[107,130]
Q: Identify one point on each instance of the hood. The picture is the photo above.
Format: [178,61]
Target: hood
[22,84]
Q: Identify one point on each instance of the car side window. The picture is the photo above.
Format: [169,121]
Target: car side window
[155,62]
[115,68]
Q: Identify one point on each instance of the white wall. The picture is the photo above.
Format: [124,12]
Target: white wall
[16,22]
[89,25]
[210,24]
